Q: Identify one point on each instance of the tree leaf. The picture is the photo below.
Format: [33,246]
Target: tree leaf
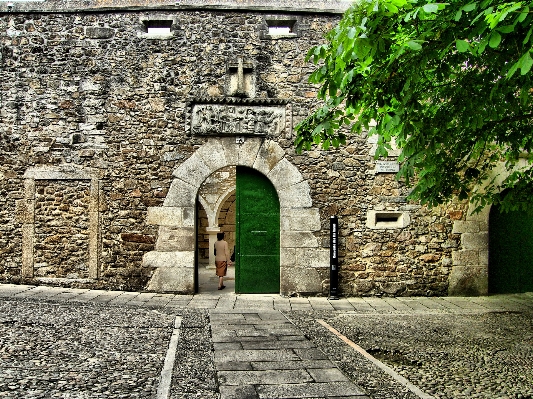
[506,29]
[431,7]
[525,63]
[469,7]
[414,45]
[495,39]
[462,45]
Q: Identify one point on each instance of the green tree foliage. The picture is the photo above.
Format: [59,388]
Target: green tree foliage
[450,83]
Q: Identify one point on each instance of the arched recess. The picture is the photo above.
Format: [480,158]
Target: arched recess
[300,254]
[470,268]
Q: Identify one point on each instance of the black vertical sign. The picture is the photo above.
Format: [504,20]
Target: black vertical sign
[333,257]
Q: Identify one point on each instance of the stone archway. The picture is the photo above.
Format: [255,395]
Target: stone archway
[300,253]
[470,270]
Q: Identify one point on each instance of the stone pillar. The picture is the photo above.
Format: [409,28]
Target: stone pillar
[212,231]
[28,228]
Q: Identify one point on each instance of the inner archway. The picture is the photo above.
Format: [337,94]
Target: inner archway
[215,214]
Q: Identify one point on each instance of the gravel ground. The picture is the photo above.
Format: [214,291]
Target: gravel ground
[455,356]
[74,351]
[94,350]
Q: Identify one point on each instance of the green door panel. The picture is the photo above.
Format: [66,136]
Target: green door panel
[510,252]
[257,239]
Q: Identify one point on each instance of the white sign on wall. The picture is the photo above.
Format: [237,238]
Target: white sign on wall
[387,167]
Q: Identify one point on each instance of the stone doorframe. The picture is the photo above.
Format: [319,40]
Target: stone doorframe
[470,270]
[26,213]
[300,254]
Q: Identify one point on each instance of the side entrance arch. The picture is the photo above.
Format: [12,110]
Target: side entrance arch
[510,252]
[300,256]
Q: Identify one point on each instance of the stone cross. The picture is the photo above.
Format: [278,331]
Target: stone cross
[241,79]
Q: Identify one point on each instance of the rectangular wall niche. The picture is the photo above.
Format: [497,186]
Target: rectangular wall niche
[387,219]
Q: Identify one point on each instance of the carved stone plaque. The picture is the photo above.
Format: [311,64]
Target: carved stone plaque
[237,120]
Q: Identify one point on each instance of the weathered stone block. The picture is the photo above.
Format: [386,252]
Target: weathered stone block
[181,194]
[175,239]
[176,280]
[165,216]
[284,174]
[98,32]
[461,226]
[193,171]
[300,219]
[213,155]
[468,281]
[174,259]
[466,258]
[299,280]
[296,196]
[300,239]
[270,153]
[476,241]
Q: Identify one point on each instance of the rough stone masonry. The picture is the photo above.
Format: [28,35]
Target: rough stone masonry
[120,120]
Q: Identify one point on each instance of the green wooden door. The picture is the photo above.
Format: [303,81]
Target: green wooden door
[257,238]
[510,252]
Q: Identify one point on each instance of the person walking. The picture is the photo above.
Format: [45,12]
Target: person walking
[222,259]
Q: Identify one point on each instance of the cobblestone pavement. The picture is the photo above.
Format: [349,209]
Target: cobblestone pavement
[75,343]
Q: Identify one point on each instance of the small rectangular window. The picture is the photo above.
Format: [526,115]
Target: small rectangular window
[280,27]
[387,219]
[158,27]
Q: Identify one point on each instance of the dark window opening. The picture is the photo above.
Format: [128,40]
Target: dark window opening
[158,27]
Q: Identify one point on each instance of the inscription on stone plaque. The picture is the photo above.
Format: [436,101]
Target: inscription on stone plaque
[387,167]
[237,120]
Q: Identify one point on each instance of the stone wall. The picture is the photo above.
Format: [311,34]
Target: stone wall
[90,88]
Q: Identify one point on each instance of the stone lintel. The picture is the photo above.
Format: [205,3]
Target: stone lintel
[63,172]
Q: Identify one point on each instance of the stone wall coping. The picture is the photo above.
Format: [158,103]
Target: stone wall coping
[274,6]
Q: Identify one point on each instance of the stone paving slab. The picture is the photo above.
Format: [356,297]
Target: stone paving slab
[266,356]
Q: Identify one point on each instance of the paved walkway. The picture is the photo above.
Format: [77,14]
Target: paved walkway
[258,353]
[227,301]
